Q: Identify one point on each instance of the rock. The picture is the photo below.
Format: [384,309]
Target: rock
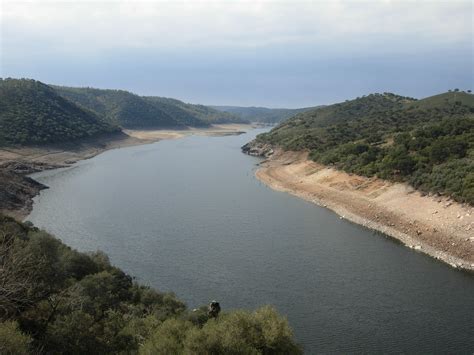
[17,191]
[257,149]
[214,309]
[417,247]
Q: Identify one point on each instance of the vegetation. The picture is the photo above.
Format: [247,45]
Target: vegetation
[56,300]
[199,114]
[121,107]
[33,113]
[132,111]
[428,143]
[262,114]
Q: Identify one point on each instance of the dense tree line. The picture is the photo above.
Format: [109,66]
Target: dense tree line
[428,143]
[55,300]
[132,111]
[196,114]
[33,113]
[262,114]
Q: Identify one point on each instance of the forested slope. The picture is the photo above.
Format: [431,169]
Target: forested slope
[262,114]
[120,107]
[55,300]
[428,143]
[33,113]
[132,111]
[192,114]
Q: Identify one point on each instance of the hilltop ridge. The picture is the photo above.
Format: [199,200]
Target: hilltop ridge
[262,114]
[428,143]
[33,113]
[133,111]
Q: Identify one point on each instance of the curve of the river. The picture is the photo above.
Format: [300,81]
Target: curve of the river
[189,216]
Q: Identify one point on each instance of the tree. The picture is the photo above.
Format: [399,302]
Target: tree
[18,271]
[239,332]
[12,340]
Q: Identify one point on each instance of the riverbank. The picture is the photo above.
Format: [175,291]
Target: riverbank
[17,190]
[433,225]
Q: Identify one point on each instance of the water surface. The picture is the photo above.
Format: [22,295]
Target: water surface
[189,216]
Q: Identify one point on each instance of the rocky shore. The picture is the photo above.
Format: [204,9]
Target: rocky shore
[17,190]
[433,225]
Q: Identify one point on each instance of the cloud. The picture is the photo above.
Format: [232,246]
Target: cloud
[95,26]
[252,52]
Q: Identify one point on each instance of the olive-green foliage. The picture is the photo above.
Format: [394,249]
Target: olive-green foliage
[132,111]
[12,340]
[262,114]
[57,300]
[120,107]
[428,143]
[33,113]
[239,332]
[195,115]
[76,302]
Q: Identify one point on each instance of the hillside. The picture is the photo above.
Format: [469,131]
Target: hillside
[192,114]
[428,143]
[56,300]
[132,111]
[262,114]
[33,113]
[120,107]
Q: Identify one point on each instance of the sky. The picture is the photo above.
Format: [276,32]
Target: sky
[285,53]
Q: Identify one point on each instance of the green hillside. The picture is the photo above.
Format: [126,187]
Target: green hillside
[177,110]
[56,300]
[121,107]
[428,143]
[192,114]
[209,114]
[33,113]
[132,111]
[262,114]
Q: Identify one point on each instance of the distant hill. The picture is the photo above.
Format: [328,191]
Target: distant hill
[132,111]
[428,143]
[262,114]
[195,114]
[33,113]
[120,107]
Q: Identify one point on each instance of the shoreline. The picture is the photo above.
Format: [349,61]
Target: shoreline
[17,190]
[436,226]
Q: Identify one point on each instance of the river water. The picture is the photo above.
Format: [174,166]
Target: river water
[189,216]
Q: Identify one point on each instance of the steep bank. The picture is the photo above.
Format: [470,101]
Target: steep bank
[17,190]
[433,225]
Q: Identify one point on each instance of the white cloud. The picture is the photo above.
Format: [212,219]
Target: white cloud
[85,26]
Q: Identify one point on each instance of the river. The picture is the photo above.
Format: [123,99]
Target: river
[189,216]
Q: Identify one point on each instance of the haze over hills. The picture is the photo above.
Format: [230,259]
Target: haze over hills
[262,114]
[428,143]
[33,113]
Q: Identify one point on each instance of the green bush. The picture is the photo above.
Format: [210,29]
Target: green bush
[12,340]
[239,332]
